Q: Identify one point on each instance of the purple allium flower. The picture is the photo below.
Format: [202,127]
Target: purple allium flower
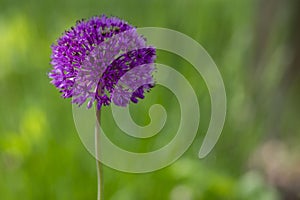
[102,59]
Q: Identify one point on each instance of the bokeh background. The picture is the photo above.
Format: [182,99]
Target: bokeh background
[255,44]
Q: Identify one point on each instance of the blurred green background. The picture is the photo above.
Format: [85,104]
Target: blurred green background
[255,44]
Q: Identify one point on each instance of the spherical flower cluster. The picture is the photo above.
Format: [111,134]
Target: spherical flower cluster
[102,59]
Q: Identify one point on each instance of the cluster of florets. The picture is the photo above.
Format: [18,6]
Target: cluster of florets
[102,59]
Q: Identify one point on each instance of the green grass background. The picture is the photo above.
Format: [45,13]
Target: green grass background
[41,155]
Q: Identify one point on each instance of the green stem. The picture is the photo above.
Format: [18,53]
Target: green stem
[98,162]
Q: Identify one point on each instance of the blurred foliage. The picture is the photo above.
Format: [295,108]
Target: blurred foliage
[41,156]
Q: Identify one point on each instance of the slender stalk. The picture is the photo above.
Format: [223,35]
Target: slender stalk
[98,163]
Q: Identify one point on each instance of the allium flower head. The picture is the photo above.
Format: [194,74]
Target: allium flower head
[102,59]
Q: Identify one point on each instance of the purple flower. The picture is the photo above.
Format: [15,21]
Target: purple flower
[102,59]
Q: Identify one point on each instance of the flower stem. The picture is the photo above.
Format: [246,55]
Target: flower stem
[98,162]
